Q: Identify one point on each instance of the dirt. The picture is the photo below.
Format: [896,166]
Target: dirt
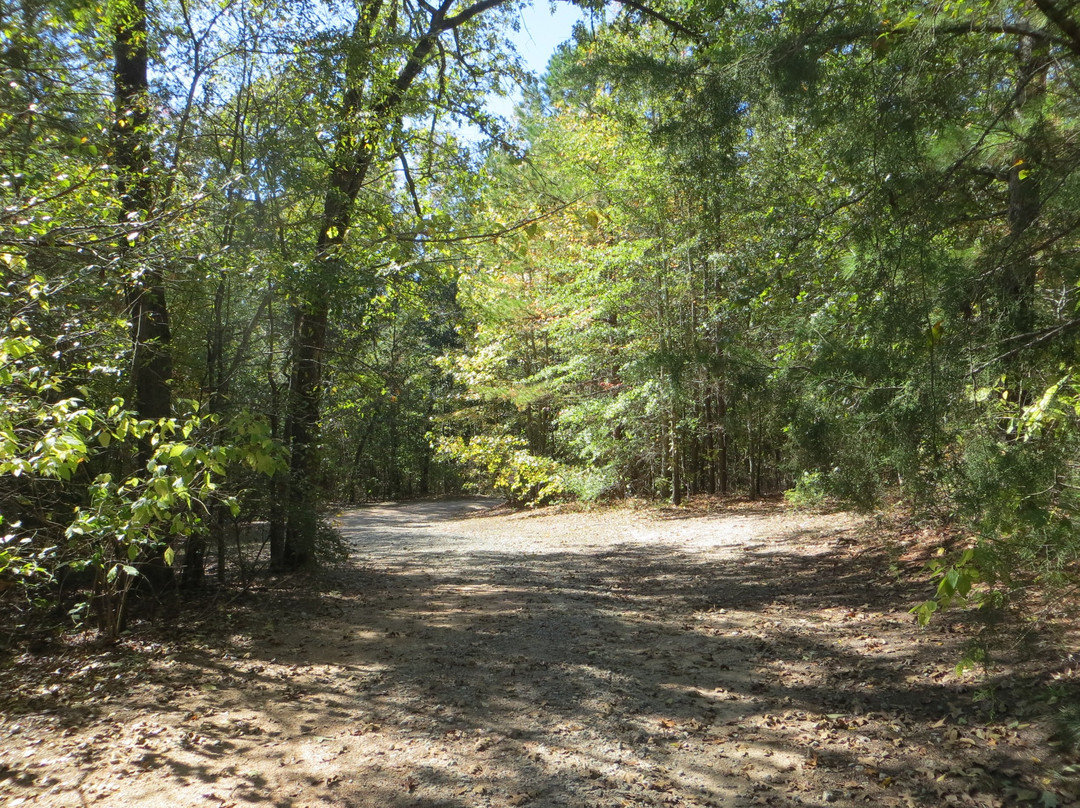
[713,655]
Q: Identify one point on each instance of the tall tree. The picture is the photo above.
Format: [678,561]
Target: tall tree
[390,50]
[151,354]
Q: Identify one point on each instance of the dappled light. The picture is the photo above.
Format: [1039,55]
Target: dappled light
[580,659]
[749,328]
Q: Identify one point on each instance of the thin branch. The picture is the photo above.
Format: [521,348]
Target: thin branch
[1066,24]
[1039,338]
[409,180]
[671,23]
[493,234]
[1010,28]
[241,352]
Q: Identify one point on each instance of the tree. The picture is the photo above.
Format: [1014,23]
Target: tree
[151,357]
[97,473]
[382,84]
[624,285]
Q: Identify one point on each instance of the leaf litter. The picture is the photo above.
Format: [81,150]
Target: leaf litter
[720,654]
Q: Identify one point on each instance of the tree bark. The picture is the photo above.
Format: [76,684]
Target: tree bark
[676,464]
[151,356]
[722,452]
[150,334]
[1017,285]
[364,126]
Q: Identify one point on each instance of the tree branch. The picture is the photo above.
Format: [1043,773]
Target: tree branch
[409,181]
[512,228]
[1035,337]
[671,23]
[1064,23]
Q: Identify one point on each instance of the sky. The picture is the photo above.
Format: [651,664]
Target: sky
[542,31]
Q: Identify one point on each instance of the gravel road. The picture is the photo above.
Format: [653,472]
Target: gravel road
[467,656]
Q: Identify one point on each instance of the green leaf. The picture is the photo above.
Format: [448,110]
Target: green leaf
[169,555]
[924,611]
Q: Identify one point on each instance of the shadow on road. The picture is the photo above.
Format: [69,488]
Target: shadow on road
[626,675]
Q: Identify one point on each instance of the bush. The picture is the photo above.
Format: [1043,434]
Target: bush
[88,500]
[1018,489]
[809,490]
[504,466]
[591,484]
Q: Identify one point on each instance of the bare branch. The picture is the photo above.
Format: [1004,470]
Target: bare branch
[1034,338]
[409,181]
[1063,22]
[669,22]
[512,228]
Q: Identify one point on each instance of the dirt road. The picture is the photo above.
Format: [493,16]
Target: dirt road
[468,658]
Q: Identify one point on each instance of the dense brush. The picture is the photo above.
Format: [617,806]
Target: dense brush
[1067,728]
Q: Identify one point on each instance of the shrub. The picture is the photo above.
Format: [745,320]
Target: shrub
[86,500]
[504,466]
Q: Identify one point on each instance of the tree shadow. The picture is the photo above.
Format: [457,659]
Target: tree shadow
[418,514]
[629,674]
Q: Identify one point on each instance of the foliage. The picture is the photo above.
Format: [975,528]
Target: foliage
[789,254]
[591,484]
[504,465]
[955,583]
[811,247]
[128,516]
[808,491]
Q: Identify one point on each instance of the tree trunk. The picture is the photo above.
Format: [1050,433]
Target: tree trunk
[151,357]
[193,571]
[302,435]
[722,453]
[709,463]
[278,486]
[1025,198]
[150,335]
[676,467]
[357,489]
[364,125]
[751,460]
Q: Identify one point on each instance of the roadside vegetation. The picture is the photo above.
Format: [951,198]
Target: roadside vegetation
[264,259]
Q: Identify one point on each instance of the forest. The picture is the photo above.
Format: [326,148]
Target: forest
[703,432]
[260,258]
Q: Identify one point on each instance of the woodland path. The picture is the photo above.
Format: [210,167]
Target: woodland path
[469,657]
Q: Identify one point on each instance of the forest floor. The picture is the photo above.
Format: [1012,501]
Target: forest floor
[719,654]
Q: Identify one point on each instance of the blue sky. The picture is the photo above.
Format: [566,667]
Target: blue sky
[542,31]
